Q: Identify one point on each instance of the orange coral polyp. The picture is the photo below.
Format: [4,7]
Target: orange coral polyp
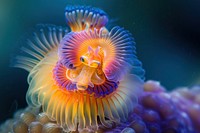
[107,49]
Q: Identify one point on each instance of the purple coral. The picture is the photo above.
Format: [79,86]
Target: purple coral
[161,112]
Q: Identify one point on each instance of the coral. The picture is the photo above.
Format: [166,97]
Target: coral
[89,79]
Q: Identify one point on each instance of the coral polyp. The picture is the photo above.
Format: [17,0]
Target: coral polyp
[83,75]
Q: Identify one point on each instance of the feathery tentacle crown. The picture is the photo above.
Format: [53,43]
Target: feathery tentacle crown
[80,17]
[83,75]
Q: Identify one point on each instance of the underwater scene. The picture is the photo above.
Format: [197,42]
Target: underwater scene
[85,66]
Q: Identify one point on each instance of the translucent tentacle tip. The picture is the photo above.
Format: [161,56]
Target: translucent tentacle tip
[85,17]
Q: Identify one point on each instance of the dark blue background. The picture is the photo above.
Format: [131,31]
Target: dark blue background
[167,35]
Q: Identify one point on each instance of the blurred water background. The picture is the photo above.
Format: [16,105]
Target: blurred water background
[167,34]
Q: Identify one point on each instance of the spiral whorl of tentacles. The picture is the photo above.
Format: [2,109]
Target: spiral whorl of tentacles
[81,78]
